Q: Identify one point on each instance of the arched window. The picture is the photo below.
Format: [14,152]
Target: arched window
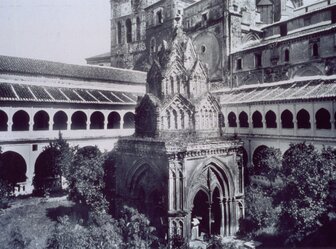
[178,84]
[128,30]
[257,120]
[119,32]
[315,50]
[323,119]
[113,121]
[78,121]
[60,121]
[97,120]
[3,121]
[20,121]
[171,85]
[232,119]
[303,119]
[41,121]
[243,120]
[129,120]
[138,29]
[287,120]
[286,55]
[159,17]
[271,120]
[174,120]
[152,45]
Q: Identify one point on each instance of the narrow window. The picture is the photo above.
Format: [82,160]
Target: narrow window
[257,60]
[286,59]
[239,64]
[315,50]
[159,17]
[138,29]
[283,29]
[128,30]
[119,32]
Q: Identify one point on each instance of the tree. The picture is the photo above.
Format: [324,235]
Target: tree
[57,159]
[304,197]
[267,162]
[136,231]
[17,240]
[86,179]
[260,212]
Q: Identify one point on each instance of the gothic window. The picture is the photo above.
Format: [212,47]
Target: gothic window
[257,60]
[182,119]
[257,120]
[283,29]
[128,30]
[323,119]
[152,45]
[181,190]
[287,120]
[159,17]
[168,119]
[315,50]
[232,119]
[119,32]
[243,120]
[174,120]
[303,119]
[239,64]
[138,29]
[271,120]
[171,85]
[286,55]
[178,84]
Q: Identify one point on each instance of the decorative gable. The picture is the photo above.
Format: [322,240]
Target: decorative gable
[207,113]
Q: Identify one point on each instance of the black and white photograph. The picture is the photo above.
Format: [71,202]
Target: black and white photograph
[167,124]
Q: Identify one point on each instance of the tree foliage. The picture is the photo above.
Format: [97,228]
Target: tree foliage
[100,232]
[267,162]
[303,200]
[136,229]
[86,179]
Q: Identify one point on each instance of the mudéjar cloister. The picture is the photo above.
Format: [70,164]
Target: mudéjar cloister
[89,105]
[178,168]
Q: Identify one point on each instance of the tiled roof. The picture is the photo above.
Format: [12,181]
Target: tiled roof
[36,93]
[300,89]
[99,56]
[56,69]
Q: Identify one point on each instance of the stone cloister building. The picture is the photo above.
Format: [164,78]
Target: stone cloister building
[178,166]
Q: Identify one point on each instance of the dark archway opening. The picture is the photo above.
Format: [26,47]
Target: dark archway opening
[41,121]
[216,216]
[3,121]
[129,120]
[258,156]
[60,121]
[20,121]
[257,120]
[287,120]
[271,120]
[97,120]
[323,119]
[243,120]
[303,119]
[156,212]
[232,119]
[78,121]
[13,168]
[47,176]
[113,121]
[201,211]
